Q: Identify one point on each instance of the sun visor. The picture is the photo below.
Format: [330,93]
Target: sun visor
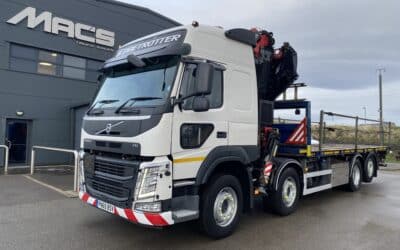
[170,43]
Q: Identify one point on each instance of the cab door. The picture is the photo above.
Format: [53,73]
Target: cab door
[195,134]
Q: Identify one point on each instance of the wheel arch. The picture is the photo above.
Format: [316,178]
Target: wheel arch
[356,157]
[234,160]
[282,164]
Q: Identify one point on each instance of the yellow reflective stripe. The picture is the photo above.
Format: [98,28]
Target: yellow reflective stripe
[309,150]
[189,159]
[303,151]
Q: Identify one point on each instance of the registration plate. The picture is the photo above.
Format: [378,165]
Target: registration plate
[105,206]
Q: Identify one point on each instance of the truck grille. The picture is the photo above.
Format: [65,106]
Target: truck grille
[109,168]
[111,179]
[110,189]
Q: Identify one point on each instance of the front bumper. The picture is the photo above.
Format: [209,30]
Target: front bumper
[118,183]
[150,219]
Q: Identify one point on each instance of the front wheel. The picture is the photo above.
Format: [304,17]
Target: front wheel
[285,199]
[221,205]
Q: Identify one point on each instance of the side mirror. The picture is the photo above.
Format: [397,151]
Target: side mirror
[205,72]
[200,104]
[202,86]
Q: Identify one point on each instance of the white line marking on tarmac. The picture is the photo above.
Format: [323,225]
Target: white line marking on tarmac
[69,193]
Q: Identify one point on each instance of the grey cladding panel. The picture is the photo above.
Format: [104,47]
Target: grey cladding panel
[340,173]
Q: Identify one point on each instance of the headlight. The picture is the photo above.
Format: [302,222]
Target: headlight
[146,183]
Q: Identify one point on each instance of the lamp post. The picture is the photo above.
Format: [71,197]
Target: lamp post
[380,71]
[365,114]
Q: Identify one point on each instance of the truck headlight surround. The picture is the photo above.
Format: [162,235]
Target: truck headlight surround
[146,182]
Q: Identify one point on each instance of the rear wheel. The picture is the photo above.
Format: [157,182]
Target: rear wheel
[355,177]
[285,199]
[369,168]
[221,206]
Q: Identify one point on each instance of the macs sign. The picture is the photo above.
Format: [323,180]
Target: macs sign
[55,25]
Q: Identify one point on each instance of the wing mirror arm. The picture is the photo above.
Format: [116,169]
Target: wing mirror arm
[179,101]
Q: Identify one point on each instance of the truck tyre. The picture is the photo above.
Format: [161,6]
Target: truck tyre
[369,168]
[355,177]
[221,206]
[285,199]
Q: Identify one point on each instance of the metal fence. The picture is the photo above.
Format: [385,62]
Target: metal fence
[6,153]
[354,130]
[76,160]
[339,129]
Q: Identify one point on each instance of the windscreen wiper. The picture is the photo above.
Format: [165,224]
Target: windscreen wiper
[134,99]
[100,102]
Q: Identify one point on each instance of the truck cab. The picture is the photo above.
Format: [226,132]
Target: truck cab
[174,108]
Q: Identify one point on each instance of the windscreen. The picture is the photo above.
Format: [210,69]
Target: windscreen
[129,86]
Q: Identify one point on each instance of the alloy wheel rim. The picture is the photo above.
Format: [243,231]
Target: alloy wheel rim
[225,206]
[370,168]
[289,192]
[356,175]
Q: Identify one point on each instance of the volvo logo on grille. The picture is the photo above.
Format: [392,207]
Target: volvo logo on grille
[109,128]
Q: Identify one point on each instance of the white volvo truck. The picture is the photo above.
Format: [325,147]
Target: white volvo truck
[177,132]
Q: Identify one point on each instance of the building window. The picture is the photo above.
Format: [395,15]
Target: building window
[33,60]
[48,56]
[74,67]
[47,63]
[23,52]
[47,68]
[23,65]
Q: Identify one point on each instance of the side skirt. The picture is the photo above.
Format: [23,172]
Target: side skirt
[311,190]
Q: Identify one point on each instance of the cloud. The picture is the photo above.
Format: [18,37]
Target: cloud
[340,43]
[352,102]
[332,34]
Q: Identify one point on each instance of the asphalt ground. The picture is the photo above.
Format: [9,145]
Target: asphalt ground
[35,217]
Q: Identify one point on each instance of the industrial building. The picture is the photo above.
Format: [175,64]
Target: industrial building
[50,53]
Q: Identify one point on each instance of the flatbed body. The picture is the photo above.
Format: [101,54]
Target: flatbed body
[296,137]
[324,165]
[342,149]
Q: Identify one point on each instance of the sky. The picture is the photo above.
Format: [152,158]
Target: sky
[340,45]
